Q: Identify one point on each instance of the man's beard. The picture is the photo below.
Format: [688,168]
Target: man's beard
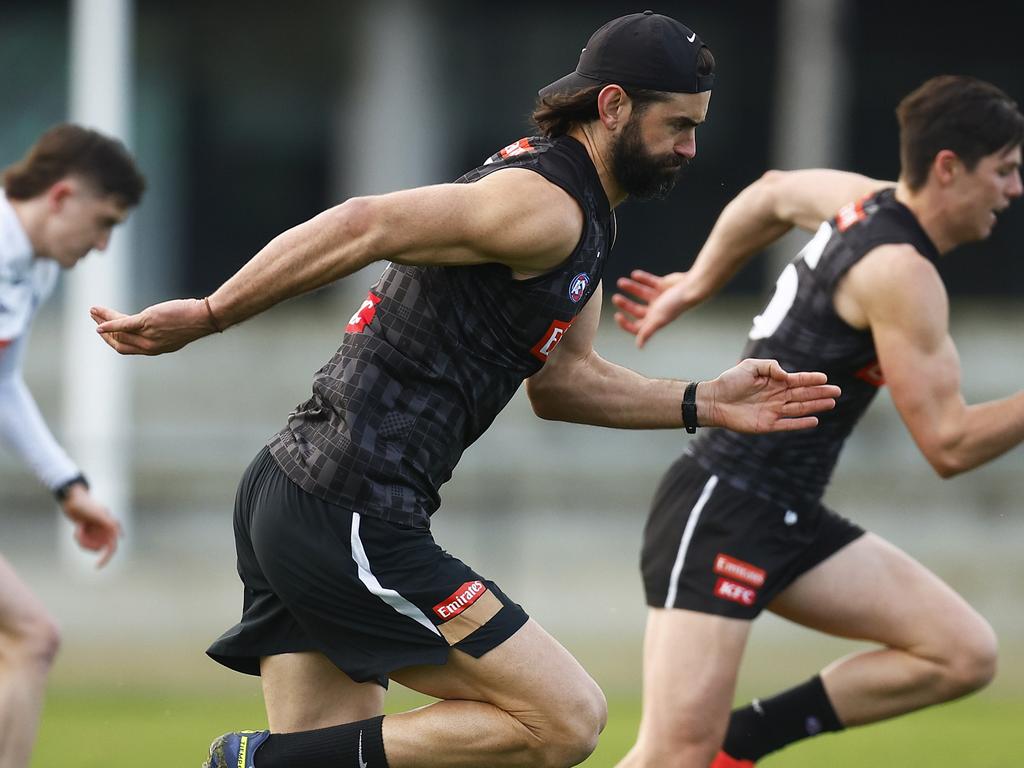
[639,173]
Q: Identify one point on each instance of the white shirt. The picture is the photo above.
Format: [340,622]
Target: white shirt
[25,283]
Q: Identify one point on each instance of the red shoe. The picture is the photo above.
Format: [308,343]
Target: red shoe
[723,760]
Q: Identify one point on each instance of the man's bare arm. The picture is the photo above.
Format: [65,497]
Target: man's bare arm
[578,385]
[768,209]
[906,306]
[755,218]
[442,225]
[513,217]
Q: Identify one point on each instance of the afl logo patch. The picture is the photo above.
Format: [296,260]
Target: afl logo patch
[578,287]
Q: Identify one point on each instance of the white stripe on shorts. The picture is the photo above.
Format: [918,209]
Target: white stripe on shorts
[389,596]
[684,543]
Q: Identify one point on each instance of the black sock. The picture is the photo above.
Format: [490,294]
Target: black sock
[352,745]
[770,724]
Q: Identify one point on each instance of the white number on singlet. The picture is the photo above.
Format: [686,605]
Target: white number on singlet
[771,318]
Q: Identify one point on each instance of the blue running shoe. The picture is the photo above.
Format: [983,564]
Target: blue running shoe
[235,750]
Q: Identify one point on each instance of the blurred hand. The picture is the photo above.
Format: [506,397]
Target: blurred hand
[663,299]
[95,529]
[758,396]
[165,327]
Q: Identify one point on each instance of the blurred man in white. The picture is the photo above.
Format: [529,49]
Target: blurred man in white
[59,202]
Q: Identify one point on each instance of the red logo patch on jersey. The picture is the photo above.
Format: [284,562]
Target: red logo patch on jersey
[521,146]
[737,569]
[730,590]
[850,214]
[459,600]
[364,315]
[872,374]
[4,343]
[550,340]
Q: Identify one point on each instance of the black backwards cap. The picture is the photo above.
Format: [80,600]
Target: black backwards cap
[642,50]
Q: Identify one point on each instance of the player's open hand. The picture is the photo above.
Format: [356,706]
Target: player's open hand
[759,396]
[95,528]
[647,302]
[165,327]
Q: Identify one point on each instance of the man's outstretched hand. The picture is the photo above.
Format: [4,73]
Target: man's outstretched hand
[648,302]
[759,396]
[165,327]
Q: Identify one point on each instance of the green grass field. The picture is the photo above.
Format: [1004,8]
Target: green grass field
[118,727]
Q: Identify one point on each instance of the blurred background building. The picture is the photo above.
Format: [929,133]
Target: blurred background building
[250,117]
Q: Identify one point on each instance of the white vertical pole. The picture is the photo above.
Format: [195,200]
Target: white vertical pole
[97,389]
[391,125]
[391,128]
[811,107]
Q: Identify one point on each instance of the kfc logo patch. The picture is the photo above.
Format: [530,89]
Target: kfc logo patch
[737,569]
[364,315]
[459,600]
[550,340]
[730,590]
[578,287]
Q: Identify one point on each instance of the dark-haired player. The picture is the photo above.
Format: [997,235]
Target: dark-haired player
[57,204]
[492,281]
[737,524]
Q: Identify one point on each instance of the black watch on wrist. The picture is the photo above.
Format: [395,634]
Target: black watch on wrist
[690,407]
[61,491]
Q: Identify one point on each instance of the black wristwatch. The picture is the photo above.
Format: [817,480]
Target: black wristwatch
[61,491]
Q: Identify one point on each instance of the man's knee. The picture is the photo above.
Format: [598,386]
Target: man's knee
[972,658]
[42,640]
[572,733]
[32,639]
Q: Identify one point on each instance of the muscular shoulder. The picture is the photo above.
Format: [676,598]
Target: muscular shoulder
[535,215]
[892,283]
[512,216]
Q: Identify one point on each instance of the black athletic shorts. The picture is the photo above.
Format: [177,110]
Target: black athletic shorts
[714,548]
[370,595]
